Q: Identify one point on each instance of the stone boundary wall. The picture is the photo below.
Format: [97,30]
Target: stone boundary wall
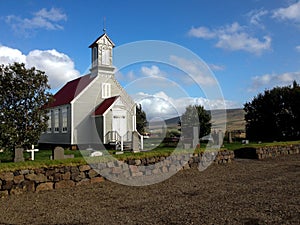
[40,179]
[274,151]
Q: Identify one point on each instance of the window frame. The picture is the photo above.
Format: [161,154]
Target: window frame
[106,90]
[64,115]
[56,121]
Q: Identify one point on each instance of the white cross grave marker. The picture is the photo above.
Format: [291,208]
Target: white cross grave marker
[32,150]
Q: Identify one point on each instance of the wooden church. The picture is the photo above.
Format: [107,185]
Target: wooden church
[93,109]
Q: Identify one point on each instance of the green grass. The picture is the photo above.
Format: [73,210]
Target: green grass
[42,158]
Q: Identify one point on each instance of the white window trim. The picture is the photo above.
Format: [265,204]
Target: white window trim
[56,121]
[95,56]
[49,123]
[106,90]
[64,113]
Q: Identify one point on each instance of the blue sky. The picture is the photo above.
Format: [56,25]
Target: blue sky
[249,46]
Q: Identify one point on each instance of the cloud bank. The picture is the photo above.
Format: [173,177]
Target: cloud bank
[290,13]
[58,66]
[233,37]
[160,105]
[42,19]
[269,80]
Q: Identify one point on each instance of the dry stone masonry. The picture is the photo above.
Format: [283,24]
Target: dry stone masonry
[41,179]
[267,151]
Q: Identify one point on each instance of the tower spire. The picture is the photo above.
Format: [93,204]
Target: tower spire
[104,25]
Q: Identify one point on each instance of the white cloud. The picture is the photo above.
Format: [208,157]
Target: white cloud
[271,80]
[234,38]
[255,17]
[10,55]
[242,41]
[43,19]
[160,105]
[58,66]
[151,71]
[201,32]
[196,70]
[292,12]
[298,48]
[53,14]
[215,67]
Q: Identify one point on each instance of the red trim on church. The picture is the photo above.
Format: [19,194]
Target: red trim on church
[104,106]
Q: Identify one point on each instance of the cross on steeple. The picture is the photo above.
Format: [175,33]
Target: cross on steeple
[104,27]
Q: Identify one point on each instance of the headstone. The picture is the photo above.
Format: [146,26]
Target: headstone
[186,146]
[19,155]
[220,138]
[96,153]
[195,140]
[245,142]
[58,153]
[229,137]
[135,142]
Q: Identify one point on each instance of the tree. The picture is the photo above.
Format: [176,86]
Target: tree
[196,116]
[23,95]
[141,120]
[274,114]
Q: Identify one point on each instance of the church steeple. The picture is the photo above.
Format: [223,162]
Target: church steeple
[102,54]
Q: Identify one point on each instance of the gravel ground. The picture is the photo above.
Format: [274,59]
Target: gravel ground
[243,192]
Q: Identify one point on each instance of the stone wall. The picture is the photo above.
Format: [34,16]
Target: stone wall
[274,151]
[40,179]
[266,152]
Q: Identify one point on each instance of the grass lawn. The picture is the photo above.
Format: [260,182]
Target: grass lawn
[42,157]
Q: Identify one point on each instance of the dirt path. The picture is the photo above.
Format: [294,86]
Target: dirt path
[244,192]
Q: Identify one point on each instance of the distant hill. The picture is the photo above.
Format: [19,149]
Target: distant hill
[235,119]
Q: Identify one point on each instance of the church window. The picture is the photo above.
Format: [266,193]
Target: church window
[105,56]
[106,90]
[49,128]
[56,121]
[95,56]
[64,114]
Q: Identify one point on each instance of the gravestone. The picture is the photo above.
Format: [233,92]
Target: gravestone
[229,137]
[19,157]
[195,137]
[220,138]
[135,142]
[187,136]
[58,153]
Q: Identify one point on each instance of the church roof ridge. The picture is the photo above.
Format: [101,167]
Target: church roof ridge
[104,34]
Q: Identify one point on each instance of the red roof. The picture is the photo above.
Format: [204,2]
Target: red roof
[105,106]
[68,92]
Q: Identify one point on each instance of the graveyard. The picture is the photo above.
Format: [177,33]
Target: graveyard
[43,157]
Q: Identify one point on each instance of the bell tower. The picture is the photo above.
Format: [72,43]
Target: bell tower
[102,55]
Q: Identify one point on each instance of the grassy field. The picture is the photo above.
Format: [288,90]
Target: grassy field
[42,158]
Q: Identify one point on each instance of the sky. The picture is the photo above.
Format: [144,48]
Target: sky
[236,49]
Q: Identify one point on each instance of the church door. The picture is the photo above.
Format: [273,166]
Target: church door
[119,123]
